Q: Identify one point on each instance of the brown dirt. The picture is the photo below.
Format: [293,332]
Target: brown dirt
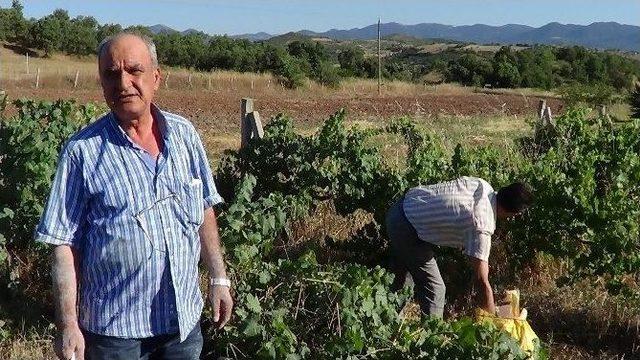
[221,108]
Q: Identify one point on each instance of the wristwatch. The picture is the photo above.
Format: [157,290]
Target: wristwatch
[220,282]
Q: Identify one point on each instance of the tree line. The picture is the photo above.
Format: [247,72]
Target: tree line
[543,67]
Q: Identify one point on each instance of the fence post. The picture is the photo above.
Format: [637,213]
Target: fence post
[166,80]
[75,81]
[209,82]
[250,123]
[548,119]
[246,107]
[541,106]
[38,78]
[256,124]
[190,85]
[27,54]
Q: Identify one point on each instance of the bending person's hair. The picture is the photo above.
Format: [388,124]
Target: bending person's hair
[515,197]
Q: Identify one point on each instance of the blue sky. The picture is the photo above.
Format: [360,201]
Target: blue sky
[280,16]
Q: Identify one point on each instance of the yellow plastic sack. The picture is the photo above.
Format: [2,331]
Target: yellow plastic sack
[512,320]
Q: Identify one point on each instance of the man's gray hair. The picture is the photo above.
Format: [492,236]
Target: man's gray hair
[151,46]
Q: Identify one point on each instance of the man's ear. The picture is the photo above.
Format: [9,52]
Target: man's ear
[157,74]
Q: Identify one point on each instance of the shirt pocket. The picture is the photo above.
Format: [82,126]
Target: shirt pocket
[192,201]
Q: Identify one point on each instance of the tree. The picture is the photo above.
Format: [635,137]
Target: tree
[13,26]
[327,74]
[470,69]
[82,39]
[286,67]
[311,55]
[506,75]
[505,65]
[46,34]
[106,30]
[351,61]
[140,30]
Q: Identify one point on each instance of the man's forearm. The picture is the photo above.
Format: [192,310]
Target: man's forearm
[487,297]
[65,286]
[211,249]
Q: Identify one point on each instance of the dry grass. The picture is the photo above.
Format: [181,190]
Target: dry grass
[59,71]
[497,131]
[24,348]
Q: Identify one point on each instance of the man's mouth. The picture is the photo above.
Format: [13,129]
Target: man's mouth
[127,97]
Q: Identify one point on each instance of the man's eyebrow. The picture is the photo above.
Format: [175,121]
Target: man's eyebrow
[135,66]
[111,68]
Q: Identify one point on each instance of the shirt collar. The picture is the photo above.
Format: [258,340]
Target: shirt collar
[163,124]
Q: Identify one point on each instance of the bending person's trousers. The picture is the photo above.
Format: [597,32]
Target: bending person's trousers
[411,255]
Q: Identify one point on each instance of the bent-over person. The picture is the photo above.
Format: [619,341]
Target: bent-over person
[461,213]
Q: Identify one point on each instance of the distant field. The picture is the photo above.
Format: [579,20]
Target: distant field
[212,100]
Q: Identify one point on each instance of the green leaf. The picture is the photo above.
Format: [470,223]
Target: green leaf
[253,304]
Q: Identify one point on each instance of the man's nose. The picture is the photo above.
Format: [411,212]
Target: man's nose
[123,80]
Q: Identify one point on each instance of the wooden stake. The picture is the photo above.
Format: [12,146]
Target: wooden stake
[256,125]
[548,119]
[246,107]
[38,78]
[27,55]
[75,81]
[542,105]
[166,80]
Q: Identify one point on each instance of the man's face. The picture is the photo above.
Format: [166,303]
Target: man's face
[128,77]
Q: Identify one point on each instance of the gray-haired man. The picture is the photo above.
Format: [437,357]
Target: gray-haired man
[130,213]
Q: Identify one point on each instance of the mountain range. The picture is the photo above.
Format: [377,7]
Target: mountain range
[599,35]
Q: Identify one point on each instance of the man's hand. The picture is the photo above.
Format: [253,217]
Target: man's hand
[481,277]
[70,342]
[222,304]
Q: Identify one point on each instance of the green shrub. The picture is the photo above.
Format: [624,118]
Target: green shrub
[29,146]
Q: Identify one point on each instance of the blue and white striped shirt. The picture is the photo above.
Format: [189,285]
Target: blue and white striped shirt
[460,213]
[134,222]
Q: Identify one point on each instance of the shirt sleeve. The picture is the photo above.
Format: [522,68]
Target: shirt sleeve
[209,190]
[484,217]
[64,216]
[478,245]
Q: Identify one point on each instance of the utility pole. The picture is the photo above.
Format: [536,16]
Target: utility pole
[379,61]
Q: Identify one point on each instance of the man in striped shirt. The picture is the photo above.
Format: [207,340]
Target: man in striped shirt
[462,214]
[130,214]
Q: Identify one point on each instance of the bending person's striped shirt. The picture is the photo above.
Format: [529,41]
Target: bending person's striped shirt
[460,213]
